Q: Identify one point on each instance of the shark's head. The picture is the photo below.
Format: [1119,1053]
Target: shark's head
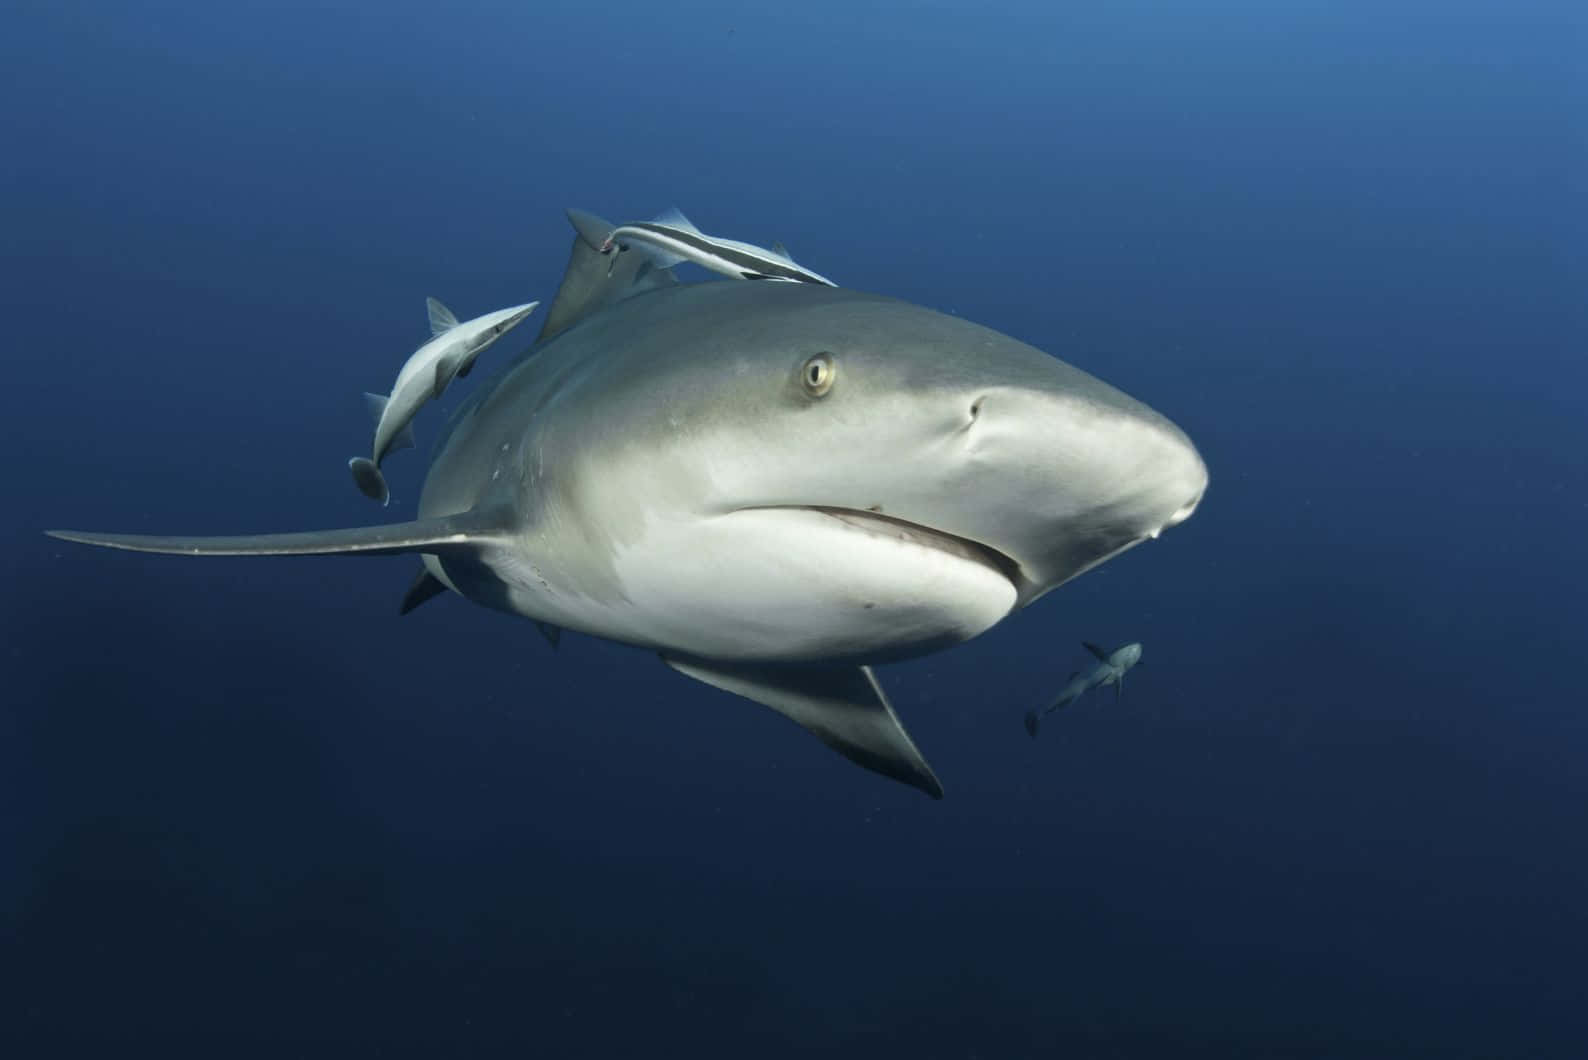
[893,412]
[880,479]
[1126,657]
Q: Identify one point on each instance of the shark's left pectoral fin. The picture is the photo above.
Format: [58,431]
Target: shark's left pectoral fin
[842,705]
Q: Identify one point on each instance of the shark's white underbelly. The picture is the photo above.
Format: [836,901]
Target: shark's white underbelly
[780,584]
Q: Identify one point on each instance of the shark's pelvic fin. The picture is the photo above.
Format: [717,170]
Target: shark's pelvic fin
[425,587]
[842,705]
[451,534]
[441,318]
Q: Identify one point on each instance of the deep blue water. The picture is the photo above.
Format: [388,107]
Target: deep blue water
[249,810]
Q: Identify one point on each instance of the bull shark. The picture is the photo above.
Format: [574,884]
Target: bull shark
[1110,670]
[449,354]
[772,486]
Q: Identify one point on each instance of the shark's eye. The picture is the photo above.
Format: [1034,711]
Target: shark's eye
[817,374]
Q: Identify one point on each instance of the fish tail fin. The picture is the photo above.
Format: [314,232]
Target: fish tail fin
[367,477]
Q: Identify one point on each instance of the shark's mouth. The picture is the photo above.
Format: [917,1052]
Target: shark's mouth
[887,526]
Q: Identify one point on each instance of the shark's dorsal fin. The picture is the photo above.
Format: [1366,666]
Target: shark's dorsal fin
[441,318]
[843,706]
[464,532]
[594,280]
[1095,650]
[781,251]
[592,230]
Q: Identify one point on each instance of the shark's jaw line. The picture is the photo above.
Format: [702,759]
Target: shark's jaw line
[879,524]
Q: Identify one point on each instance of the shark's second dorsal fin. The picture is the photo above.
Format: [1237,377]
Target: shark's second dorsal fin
[464,532]
[441,318]
[594,280]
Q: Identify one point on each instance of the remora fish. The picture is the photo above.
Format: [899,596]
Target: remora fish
[772,486]
[671,239]
[449,353]
[1110,670]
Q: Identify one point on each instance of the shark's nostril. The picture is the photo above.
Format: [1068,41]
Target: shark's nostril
[975,407]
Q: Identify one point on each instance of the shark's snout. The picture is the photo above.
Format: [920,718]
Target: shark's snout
[1068,474]
[1182,476]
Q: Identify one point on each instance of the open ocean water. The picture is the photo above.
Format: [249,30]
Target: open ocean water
[246,810]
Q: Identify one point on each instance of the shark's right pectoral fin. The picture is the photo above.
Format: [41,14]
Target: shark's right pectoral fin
[842,705]
[464,533]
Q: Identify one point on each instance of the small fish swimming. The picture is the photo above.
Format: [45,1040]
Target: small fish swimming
[1110,670]
[671,238]
[450,353]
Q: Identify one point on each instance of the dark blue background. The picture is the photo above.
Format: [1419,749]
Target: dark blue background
[1340,812]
